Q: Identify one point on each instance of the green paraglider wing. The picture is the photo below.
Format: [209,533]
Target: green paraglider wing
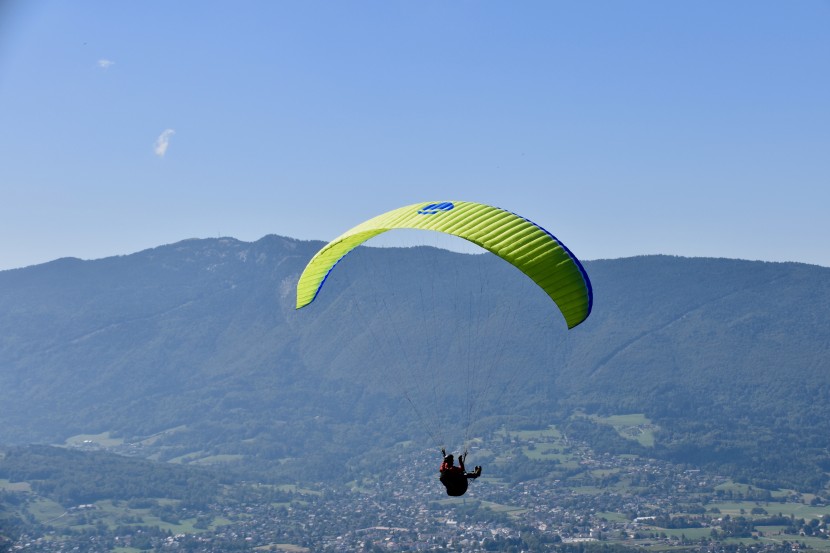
[527,246]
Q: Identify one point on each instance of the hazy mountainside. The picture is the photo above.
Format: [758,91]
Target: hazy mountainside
[730,357]
[199,341]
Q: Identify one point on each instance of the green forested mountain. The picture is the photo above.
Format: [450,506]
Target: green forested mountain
[195,351]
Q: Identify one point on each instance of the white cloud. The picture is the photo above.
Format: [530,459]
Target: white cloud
[163,141]
[105,63]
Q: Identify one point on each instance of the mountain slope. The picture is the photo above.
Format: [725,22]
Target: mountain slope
[196,348]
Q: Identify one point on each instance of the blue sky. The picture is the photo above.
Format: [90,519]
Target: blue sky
[625,128]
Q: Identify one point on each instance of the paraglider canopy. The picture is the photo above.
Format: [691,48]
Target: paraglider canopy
[524,244]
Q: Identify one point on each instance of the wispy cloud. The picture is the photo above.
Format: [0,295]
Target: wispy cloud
[105,63]
[163,141]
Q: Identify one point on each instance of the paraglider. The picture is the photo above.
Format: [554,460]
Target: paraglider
[455,477]
[525,245]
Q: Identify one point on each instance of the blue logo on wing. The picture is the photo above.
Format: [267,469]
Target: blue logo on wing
[432,209]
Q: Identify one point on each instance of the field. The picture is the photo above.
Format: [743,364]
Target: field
[112,514]
[548,444]
[14,486]
[102,440]
[744,508]
[635,427]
